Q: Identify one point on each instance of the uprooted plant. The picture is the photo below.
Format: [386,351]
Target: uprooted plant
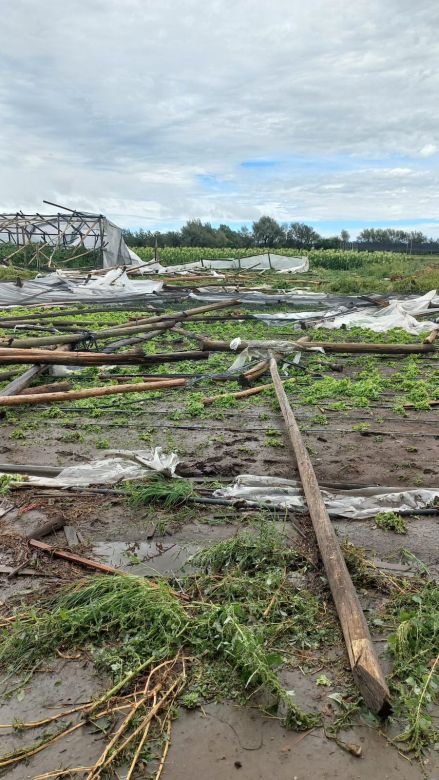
[414,646]
[159,490]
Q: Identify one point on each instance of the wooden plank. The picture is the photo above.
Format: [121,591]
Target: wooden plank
[72,537]
[362,656]
[72,558]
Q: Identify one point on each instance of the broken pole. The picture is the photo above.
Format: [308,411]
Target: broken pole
[79,560]
[363,659]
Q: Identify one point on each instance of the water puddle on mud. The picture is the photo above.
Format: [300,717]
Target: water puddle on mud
[146,558]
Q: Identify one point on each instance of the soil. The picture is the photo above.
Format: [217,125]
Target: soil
[220,740]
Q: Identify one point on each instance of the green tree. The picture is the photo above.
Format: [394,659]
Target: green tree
[268,232]
[302,236]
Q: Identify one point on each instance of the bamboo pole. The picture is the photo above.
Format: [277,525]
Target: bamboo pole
[328,346]
[89,392]
[362,656]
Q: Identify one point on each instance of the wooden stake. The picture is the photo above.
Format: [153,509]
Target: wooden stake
[362,656]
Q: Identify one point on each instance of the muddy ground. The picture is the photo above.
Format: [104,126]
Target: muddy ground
[221,739]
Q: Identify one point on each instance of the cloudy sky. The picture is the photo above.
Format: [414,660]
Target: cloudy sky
[155,112]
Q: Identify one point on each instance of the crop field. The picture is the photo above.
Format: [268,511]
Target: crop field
[214,646]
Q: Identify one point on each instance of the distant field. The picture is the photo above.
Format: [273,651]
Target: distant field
[338,270]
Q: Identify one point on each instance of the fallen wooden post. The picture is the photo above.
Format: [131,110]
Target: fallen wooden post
[72,558]
[54,387]
[115,345]
[143,325]
[89,392]
[8,356]
[23,380]
[363,659]
[329,346]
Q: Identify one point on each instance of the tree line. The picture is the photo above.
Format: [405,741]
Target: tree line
[266,232]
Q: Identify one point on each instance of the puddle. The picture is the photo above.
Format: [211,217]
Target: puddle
[146,558]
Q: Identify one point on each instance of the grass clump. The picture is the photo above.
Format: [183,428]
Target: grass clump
[159,490]
[391,521]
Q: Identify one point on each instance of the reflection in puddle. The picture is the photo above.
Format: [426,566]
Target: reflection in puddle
[145,557]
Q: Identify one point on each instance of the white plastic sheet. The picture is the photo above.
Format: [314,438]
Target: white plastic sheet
[400,313]
[266,262]
[117,466]
[58,287]
[356,504]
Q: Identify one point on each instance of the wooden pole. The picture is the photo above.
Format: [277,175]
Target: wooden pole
[362,656]
[53,387]
[328,346]
[89,392]
[22,381]
[53,357]
[121,330]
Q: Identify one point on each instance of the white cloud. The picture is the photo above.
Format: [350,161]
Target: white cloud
[133,108]
[428,150]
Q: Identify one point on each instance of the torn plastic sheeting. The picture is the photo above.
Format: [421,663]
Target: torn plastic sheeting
[400,313]
[118,466]
[298,316]
[260,347]
[357,504]
[265,262]
[57,287]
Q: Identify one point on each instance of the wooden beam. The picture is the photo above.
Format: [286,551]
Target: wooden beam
[363,659]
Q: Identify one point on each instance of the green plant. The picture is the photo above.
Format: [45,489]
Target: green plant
[102,444]
[414,646]
[6,480]
[391,521]
[158,489]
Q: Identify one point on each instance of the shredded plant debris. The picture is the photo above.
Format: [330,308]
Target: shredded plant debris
[391,521]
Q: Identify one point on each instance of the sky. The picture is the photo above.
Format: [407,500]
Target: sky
[153,113]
